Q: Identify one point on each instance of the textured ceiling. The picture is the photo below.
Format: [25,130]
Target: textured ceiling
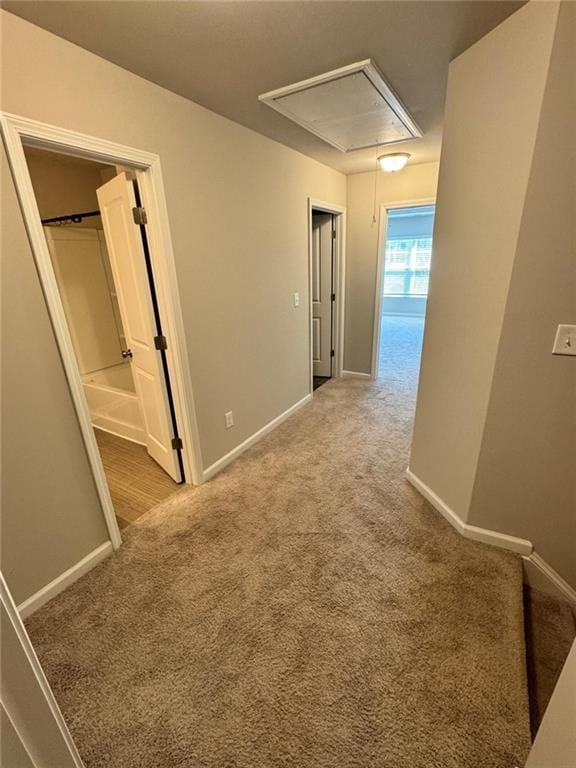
[224,54]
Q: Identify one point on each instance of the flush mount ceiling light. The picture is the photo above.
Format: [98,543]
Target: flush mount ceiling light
[350,108]
[394,161]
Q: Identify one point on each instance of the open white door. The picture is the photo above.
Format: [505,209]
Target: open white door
[128,261]
[322,240]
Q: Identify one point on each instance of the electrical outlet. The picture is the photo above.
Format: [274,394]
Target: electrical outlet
[229,419]
[296,299]
[565,341]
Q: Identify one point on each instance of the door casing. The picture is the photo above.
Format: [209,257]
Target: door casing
[339,273]
[18,131]
[322,293]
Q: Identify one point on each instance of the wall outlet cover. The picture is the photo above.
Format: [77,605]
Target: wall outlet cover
[229,419]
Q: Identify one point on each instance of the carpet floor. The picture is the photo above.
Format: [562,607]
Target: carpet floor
[306,608]
[400,348]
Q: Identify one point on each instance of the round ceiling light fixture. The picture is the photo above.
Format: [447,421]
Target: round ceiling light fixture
[393,162]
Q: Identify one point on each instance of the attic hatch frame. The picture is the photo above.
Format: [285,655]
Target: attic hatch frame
[371,71]
[20,131]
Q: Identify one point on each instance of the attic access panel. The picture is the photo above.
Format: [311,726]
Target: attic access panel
[350,108]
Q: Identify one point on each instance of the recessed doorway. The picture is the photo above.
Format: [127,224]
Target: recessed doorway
[326,252]
[405,254]
[101,264]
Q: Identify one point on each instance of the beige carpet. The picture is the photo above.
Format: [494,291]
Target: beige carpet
[305,609]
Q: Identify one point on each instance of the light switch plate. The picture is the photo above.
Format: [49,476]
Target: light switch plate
[565,341]
[296,299]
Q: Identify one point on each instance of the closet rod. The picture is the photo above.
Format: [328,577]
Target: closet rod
[76,218]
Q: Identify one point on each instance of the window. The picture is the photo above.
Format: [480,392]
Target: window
[408,251]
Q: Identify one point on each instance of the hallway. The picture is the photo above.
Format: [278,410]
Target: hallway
[306,607]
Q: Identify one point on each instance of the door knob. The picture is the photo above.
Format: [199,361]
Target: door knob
[126,353]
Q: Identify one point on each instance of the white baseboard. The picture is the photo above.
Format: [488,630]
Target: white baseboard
[356,375]
[497,539]
[537,572]
[540,575]
[112,431]
[60,583]
[219,465]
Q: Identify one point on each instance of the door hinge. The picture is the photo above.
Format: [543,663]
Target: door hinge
[139,214]
[331,353]
[333,297]
[333,234]
[177,443]
[160,342]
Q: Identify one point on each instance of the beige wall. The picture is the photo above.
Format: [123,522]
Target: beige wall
[526,477]
[494,98]
[237,204]
[555,743]
[65,185]
[12,750]
[414,183]
[51,515]
[35,731]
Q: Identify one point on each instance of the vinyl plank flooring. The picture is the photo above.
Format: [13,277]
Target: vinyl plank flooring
[136,482]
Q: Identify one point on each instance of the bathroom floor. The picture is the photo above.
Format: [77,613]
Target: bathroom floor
[135,480]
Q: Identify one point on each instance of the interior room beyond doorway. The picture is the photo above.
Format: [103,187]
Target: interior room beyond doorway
[406,253]
[323,296]
[67,194]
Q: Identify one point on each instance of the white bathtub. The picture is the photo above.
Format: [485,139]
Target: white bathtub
[112,402]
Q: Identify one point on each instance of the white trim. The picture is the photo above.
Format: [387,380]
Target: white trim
[540,575]
[497,539]
[16,129]
[371,71]
[20,736]
[60,583]
[37,671]
[219,465]
[382,234]
[356,375]
[436,501]
[99,421]
[339,212]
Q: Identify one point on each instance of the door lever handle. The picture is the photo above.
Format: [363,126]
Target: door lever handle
[126,353]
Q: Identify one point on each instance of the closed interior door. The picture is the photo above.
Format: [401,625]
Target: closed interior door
[322,293]
[128,262]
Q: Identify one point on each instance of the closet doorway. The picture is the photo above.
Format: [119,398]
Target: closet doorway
[327,237]
[93,224]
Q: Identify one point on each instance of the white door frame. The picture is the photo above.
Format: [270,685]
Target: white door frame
[339,278]
[18,131]
[41,740]
[382,234]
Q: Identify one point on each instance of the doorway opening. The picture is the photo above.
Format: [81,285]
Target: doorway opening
[93,224]
[404,260]
[326,290]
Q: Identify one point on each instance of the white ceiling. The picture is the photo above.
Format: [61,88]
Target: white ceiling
[223,55]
